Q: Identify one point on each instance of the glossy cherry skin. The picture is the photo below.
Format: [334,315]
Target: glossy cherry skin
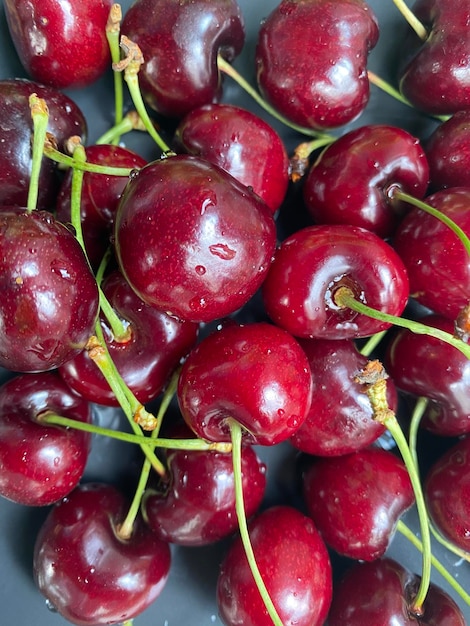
[86,571]
[314,262]
[447,493]
[61,44]
[241,143]
[40,464]
[340,419]
[295,567]
[49,302]
[99,198]
[355,500]
[436,261]
[448,152]
[381,593]
[146,361]
[349,182]
[180,43]
[191,240]
[424,366]
[197,507]
[256,374]
[65,120]
[339,36]
[431,77]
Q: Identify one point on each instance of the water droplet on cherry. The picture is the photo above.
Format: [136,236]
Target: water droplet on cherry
[50,606]
[200,269]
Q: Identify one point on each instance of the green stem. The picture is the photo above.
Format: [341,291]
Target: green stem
[412,20]
[236,437]
[229,70]
[344,297]
[415,421]
[112,35]
[449,545]
[40,117]
[406,532]
[130,122]
[372,343]
[63,159]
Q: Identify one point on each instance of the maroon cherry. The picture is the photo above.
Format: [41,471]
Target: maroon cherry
[381,592]
[90,574]
[447,493]
[241,143]
[335,89]
[448,152]
[50,297]
[348,183]
[191,240]
[340,419]
[355,500]
[60,44]
[294,564]
[146,359]
[40,464]
[180,44]
[311,266]
[255,374]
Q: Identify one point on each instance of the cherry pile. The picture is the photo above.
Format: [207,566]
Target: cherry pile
[235,313]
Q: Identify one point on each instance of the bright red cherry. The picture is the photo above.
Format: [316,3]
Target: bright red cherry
[448,152]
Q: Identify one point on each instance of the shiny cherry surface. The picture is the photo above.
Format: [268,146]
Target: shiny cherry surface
[448,152]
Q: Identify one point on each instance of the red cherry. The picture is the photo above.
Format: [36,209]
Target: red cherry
[40,464]
[448,152]
[86,571]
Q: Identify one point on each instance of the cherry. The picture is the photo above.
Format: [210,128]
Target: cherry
[191,240]
[180,44]
[332,91]
[437,263]
[448,153]
[425,366]
[145,359]
[380,593]
[59,44]
[333,256]
[88,572]
[355,500]
[447,492]
[255,374]
[65,119]
[431,77]
[349,182]
[40,464]
[340,419]
[294,563]
[241,143]
[50,297]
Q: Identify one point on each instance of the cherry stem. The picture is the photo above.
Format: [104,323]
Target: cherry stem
[374,379]
[344,297]
[415,421]
[372,343]
[439,567]
[395,193]
[131,121]
[236,438]
[300,160]
[51,152]
[412,20]
[228,69]
[113,28]
[40,117]
[131,66]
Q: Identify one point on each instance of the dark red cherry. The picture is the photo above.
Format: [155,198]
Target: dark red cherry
[312,264]
[448,152]
[241,143]
[256,374]
[340,419]
[197,507]
[89,574]
[294,564]
[437,263]
[349,182]
[16,131]
[59,43]
[191,240]
[180,43]
[424,366]
[355,500]
[339,35]
[381,593]
[146,360]
[49,302]
[40,464]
